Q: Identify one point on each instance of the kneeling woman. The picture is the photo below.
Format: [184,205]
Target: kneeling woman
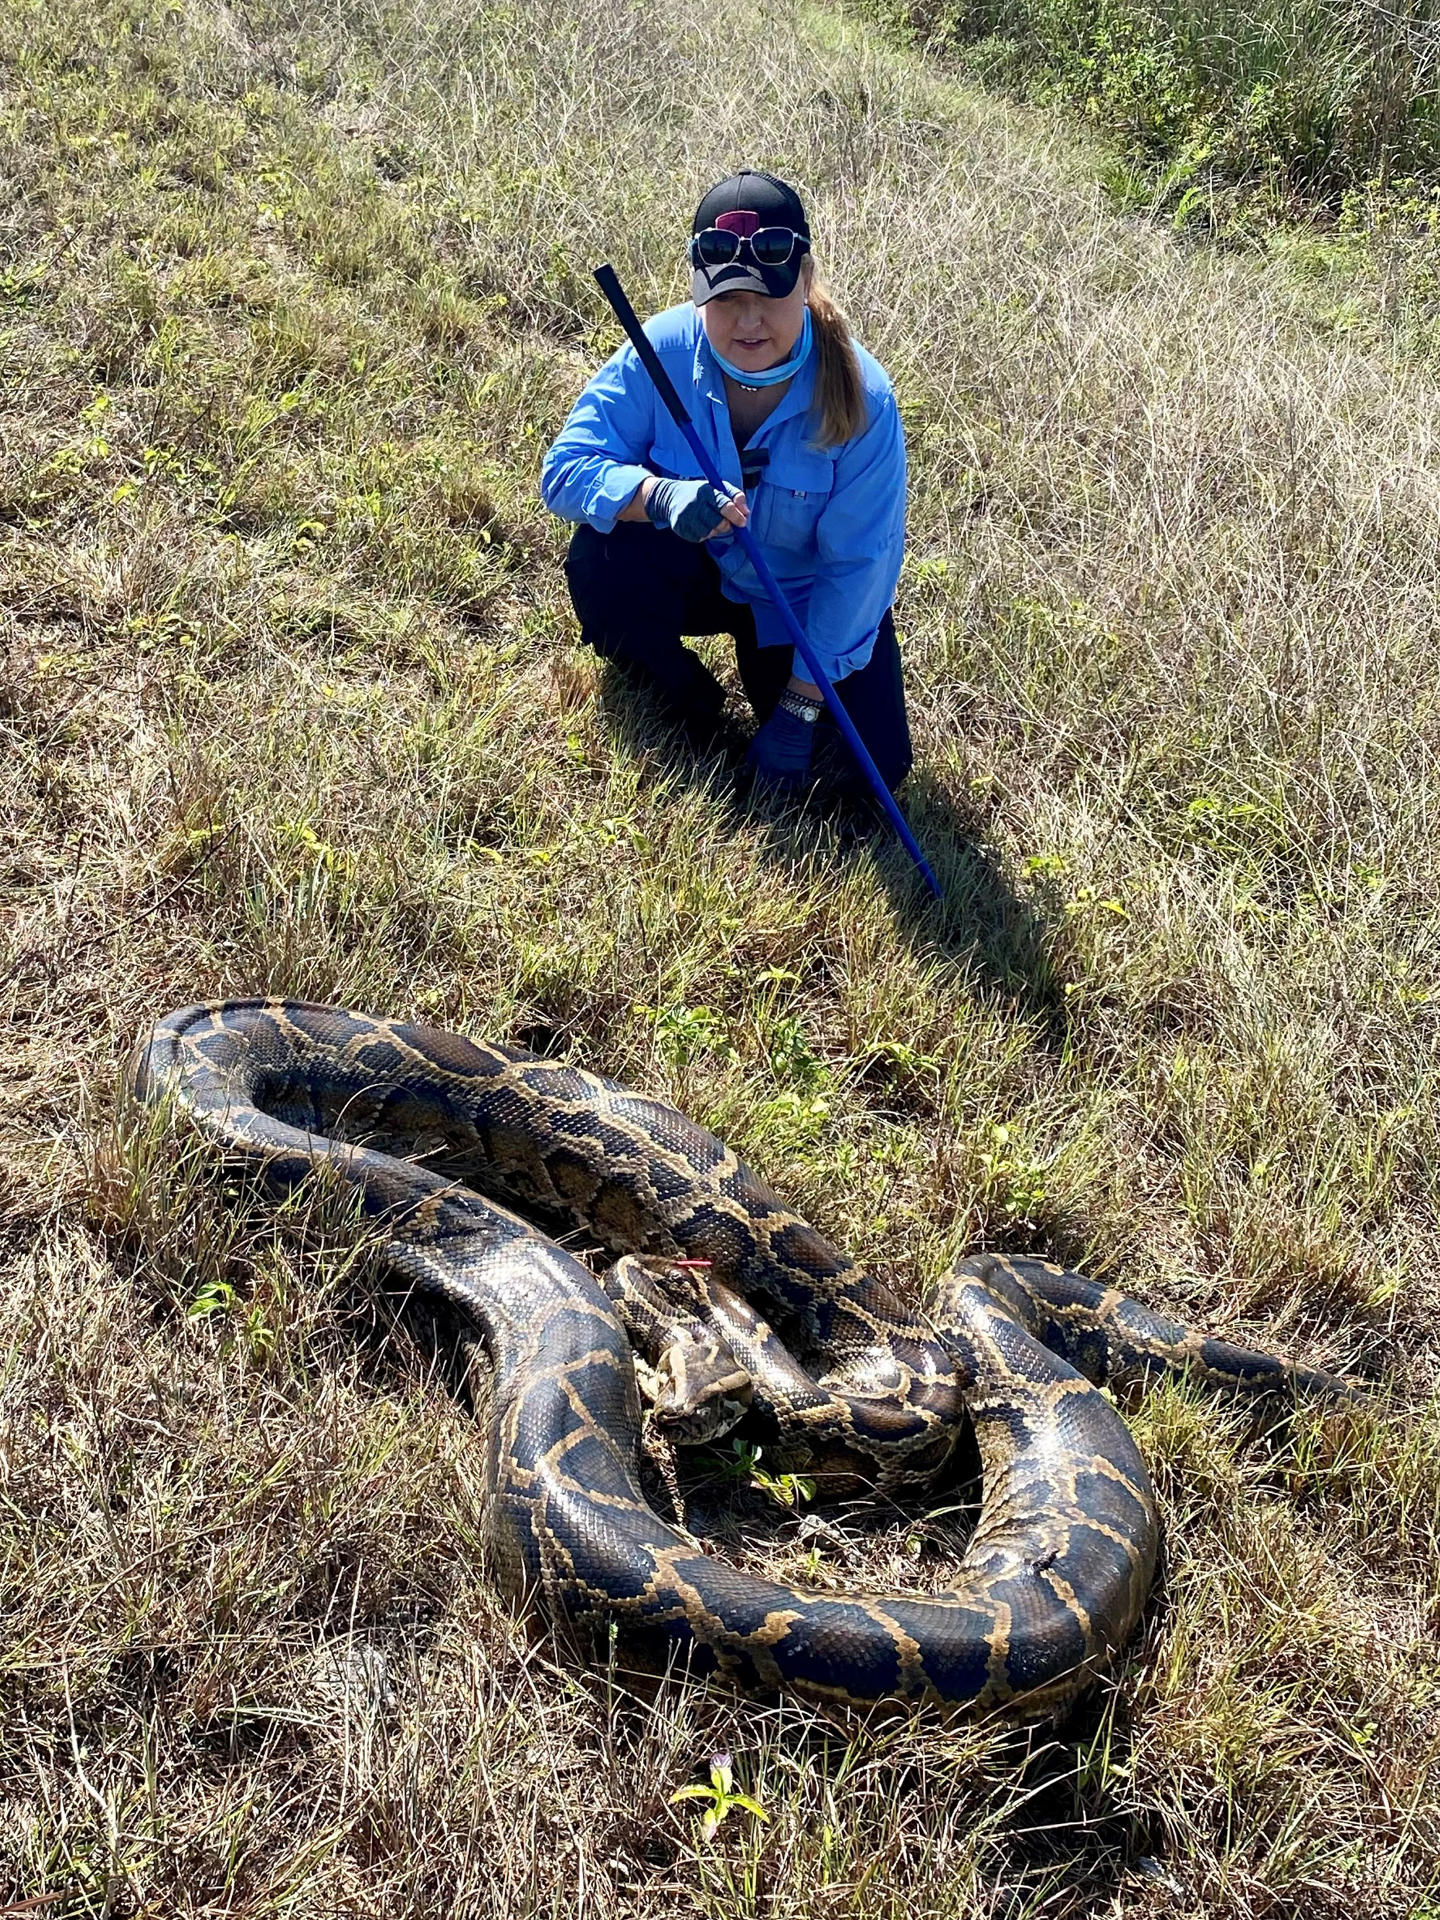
[803,426]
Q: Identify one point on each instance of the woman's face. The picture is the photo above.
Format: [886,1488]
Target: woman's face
[753,330]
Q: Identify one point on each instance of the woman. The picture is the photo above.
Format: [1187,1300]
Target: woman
[803,426]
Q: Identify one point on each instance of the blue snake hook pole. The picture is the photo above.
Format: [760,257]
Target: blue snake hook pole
[610,286]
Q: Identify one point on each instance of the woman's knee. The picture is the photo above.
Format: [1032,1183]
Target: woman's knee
[586,575]
[623,586]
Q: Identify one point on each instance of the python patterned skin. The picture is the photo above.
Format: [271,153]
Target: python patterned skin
[1055,1575]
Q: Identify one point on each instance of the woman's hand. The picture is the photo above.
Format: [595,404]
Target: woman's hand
[692,508]
[779,754]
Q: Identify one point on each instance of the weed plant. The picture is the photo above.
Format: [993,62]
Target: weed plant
[291,300]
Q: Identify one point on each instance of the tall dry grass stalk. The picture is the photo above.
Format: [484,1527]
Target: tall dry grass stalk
[292,300]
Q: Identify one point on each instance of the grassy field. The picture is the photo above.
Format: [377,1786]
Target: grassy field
[291,300]
[1274,108]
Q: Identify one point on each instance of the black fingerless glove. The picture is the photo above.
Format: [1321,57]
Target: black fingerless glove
[691,508]
[780,752]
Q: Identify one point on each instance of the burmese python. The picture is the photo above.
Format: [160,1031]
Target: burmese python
[1062,1557]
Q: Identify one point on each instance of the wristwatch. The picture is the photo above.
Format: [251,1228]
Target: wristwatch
[801,707]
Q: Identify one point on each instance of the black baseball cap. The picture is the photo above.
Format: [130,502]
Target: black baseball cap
[742,205]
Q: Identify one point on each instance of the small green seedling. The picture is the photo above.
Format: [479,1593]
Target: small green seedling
[722,1797]
[743,1463]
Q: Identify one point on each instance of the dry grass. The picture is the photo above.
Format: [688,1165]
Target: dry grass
[289,700]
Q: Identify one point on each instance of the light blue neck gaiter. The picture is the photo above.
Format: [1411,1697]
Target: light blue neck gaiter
[772,376]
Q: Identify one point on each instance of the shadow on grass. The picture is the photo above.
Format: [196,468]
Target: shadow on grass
[1075,1842]
[980,918]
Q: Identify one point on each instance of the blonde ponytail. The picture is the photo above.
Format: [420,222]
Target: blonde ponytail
[839,403]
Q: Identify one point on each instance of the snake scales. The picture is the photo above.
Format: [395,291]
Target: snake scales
[417,1121]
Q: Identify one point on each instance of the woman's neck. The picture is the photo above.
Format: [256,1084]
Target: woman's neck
[751,408]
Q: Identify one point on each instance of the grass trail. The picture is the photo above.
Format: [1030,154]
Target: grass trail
[291,300]
[1289,107]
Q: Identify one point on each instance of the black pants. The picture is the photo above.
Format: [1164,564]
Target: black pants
[638,589]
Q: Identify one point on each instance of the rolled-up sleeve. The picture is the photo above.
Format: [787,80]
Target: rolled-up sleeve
[860,539]
[596,462]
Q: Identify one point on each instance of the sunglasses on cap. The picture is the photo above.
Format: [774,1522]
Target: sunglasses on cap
[769,247]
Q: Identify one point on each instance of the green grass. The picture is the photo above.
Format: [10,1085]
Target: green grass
[1227,117]
[290,699]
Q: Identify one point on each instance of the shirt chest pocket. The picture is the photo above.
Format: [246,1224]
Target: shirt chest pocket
[789,501]
[670,452]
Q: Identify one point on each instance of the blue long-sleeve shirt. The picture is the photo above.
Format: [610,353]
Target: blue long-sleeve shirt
[830,520]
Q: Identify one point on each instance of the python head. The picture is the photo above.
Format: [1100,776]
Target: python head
[701,1390]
